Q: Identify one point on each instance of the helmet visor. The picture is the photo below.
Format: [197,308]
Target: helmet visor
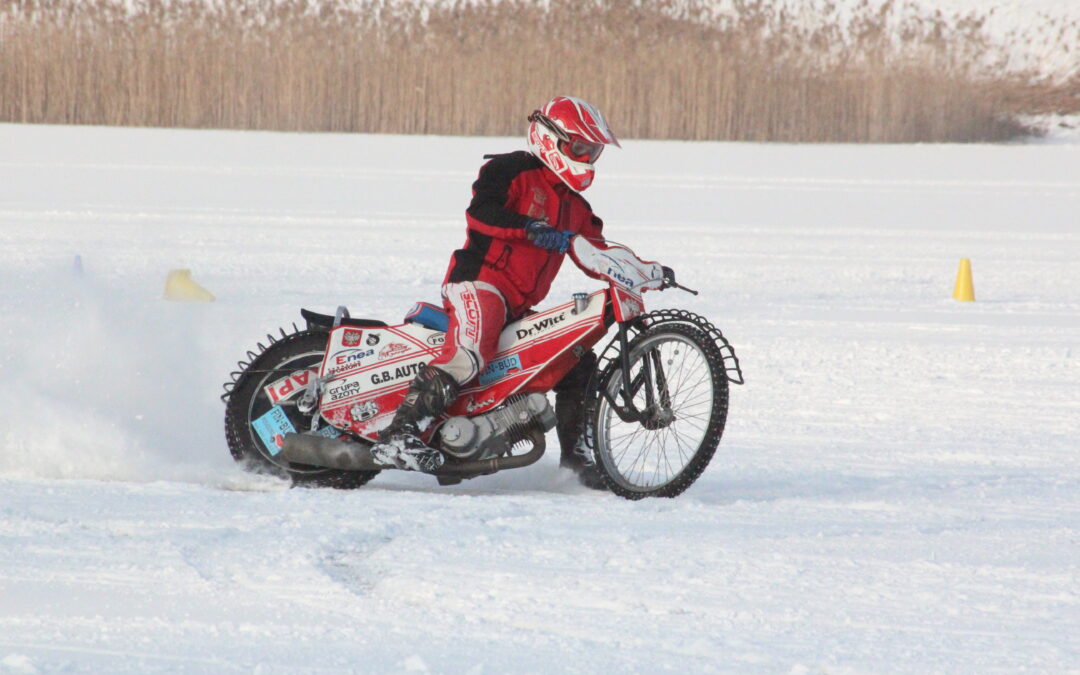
[580,150]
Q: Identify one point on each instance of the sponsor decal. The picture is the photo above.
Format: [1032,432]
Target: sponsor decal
[539,199]
[500,368]
[621,278]
[473,404]
[614,261]
[346,359]
[328,432]
[362,412]
[400,373]
[272,427]
[391,350]
[351,338]
[373,339]
[630,306]
[540,326]
[288,386]
[471,305]
[437,340]
[343,390]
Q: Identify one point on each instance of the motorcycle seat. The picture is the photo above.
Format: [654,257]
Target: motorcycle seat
[326,320]
[429,316]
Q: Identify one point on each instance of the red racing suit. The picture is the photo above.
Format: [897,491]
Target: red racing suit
[511,189]
[499,274]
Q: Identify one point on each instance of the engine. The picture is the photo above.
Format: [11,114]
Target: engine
[494,433]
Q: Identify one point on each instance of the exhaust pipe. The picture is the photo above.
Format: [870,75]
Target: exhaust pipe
[479,467]
[327,452]
[316,450]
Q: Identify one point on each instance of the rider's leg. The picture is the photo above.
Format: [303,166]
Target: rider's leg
[570,422]
[399,443]
[477,315]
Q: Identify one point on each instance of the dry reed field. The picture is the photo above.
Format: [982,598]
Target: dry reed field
[669,69]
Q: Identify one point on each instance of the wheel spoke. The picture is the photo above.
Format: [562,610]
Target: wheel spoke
[627,446]
[679,444]
[667,460]
[692,385]
[637,458]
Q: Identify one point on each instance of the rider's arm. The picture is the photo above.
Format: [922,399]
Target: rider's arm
[488,212]
[594,230]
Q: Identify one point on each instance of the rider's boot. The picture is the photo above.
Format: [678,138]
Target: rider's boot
[399,444]
[570,423]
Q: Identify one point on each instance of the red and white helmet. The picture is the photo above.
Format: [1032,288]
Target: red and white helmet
[568,135]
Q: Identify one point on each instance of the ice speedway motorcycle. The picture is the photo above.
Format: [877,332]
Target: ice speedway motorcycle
[309,404]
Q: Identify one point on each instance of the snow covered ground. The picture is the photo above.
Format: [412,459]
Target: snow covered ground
[898,489]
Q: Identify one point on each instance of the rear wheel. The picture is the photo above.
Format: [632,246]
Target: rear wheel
[678,383]
[253,421]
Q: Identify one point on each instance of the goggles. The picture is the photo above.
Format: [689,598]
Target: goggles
[580,150]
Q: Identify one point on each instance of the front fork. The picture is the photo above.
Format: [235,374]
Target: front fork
[652,377]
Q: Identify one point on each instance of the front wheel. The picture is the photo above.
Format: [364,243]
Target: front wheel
[679,390]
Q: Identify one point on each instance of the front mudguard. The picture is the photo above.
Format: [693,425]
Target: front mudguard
[646,321]
[613,353]
[731,361]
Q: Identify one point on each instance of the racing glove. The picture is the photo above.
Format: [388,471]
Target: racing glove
[547,237]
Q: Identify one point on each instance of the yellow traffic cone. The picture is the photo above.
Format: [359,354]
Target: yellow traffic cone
[965,288]
[179,286]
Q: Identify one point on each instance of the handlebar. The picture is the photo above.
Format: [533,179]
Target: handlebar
[681,288]
[669,281]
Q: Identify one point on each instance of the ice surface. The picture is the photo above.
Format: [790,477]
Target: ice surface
[898,488]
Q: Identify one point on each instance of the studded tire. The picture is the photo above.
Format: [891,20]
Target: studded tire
[248,401]
[638,461]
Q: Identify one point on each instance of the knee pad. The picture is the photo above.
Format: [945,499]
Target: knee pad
[464,365]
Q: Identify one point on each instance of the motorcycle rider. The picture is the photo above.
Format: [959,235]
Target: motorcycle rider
[525,208]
